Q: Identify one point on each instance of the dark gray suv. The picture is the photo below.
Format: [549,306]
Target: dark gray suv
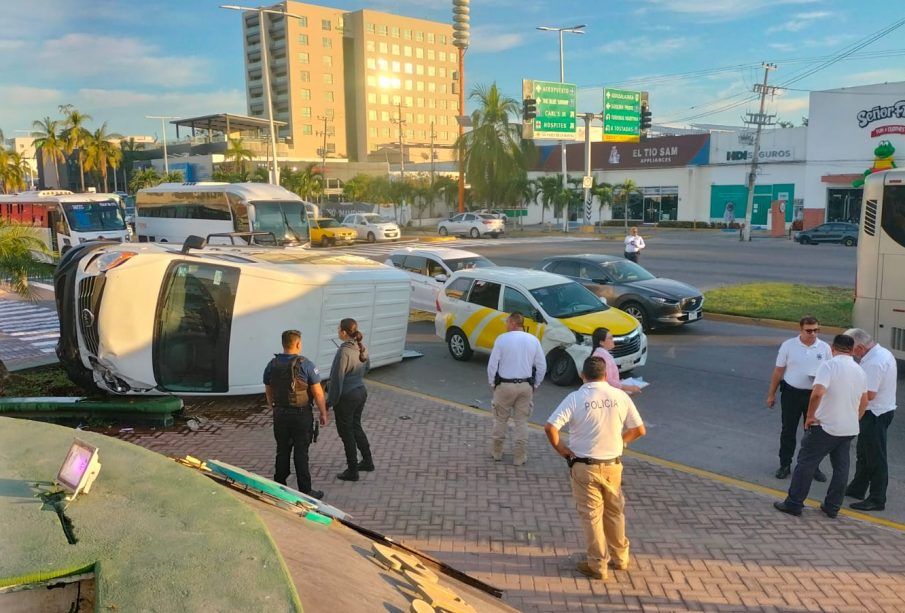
[833,232]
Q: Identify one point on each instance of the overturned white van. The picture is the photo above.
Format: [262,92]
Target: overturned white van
[157,319]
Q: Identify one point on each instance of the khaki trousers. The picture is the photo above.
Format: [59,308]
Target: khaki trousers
[597,490]
[512,400]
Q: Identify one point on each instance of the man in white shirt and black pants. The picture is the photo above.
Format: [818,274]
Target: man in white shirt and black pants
[633,245]
[601,420]
[516,368]
[796,365]
[871,464]
[838,401]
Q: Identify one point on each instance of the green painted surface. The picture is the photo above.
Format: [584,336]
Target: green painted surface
[556,109]
[161,537]
[621,115]
[764,195]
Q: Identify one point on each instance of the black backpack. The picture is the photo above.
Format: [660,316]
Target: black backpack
[288,388]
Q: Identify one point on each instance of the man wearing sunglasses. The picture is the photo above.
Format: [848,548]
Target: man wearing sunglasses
[796,365]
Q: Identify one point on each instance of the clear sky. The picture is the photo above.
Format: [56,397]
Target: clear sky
[120,60]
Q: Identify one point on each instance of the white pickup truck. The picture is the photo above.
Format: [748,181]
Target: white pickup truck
[371,227]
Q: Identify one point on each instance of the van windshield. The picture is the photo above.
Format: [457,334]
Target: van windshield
[94,216]
[285,219]
[567,300]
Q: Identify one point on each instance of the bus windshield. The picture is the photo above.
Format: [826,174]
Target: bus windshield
[285,219]
[94,216]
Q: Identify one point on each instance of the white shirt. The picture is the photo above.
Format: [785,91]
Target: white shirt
[596,414]
[801,361]
[881,369]
[633,243]
[845,383]
[516,355]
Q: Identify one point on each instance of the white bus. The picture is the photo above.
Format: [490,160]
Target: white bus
[880,281]
[170,212]
[64,219]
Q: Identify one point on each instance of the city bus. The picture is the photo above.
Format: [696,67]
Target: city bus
[63,219]
[171,212]
[880,281]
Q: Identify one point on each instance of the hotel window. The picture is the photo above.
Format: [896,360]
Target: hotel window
[431,103]
[303,21]
[419,36]
[384,98]
[372,98]
[371,46]
[382,64]
[384,115]
[306,112]
[386,132]
[431,55]
[408,85]
[383,47]
[303,57]
[328,96]
[372,131]
[372,63]
[419,53]
[341,24]
[331,147]
[328,43]
[394,32]
[442,39]
[441,104]
[369,27]
[419,102]
[304,76]
[305,94]
[372,80]
[381,29]
[431,87]
[408,68]
[409,101]
[303,39]
[452,58]
[454,105]
[326,26]
[407,51]
[328,60]
[420,86]
[419,69]
[431,71]
[307,130]
[328,78]
[410,134]
[397,67]
[328,113]
[372,115]
[394,49]
[407,34]
[409,117]
[419,118]
[442,72]
[443,88]
[444,135]
[397,99]
[442,56]
[441,120]
[430,37]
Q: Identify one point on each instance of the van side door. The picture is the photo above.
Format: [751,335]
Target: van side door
[485,320]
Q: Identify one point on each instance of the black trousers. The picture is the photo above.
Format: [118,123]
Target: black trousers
[816,445]
[348,410]
[631,256]
[871,465]
[293,429]
[794,403]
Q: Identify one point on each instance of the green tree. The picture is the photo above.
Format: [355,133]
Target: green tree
[75,135]
[307,182]
[549,186]
[447,189]
[356,188]
[99,152]
[237,152]
[604,194]
[140,179]
[623,192]
[18,245]
[128,149]
[174,176]
[13,170]
[493,153]
[50,144]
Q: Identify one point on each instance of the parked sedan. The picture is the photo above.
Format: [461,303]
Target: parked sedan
[370,227]
[428,269]
[325,231]
[835,232]
[472,224]
[653,301]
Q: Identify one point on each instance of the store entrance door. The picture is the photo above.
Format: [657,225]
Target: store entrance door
[844,204]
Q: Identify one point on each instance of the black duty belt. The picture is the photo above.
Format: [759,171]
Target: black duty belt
[526,380]
[592,461]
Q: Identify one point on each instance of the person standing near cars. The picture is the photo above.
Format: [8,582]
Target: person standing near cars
[347,396]
[633,245]
[516,368]
[292,384]
[603,343]
[871,463]
[796,365]
[602,421]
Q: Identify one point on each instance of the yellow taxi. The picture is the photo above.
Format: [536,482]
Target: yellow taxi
[473,306]
[325,231]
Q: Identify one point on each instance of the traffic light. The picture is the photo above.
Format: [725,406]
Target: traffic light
[645,117]
[529,109]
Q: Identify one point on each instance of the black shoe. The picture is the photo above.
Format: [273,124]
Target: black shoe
[365,466]
[347,475]
[786,508]
[315,494]
[828,513]
[867,505]
[819,476]
[783,472]
[851,494]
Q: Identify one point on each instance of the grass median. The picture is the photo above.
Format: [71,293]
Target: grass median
[832,306]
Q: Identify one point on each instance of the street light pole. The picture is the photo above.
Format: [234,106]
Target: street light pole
[579,29]
[461,39]
[163,129]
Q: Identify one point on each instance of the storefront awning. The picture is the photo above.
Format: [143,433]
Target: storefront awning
[840,179]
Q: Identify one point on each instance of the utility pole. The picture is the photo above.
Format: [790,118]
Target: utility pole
[433,136]
[461,39]
[588,118]
[401,123]
[760,120]
[324,155]
[163,130]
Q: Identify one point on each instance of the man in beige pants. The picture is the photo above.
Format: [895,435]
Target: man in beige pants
[601,420]
[516,368]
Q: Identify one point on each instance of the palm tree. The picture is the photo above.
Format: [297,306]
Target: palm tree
[98,152]
[75,135]
[604,194]
[13,170]
[549,187]
[448,190]
[147,177]
[623,191]
[127,150]
[307,182]
[50,144]
[356,188]
[18,244]
[237,152]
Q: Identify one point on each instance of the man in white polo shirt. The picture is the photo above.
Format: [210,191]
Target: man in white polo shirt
[871,464]
[796,365]
[838,401]
[601,420]
[516,368]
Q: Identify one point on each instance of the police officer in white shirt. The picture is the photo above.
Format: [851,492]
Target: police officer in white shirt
[871,464]
[516,368]
[601,420]
[796,365]
[633,245]
[838,401]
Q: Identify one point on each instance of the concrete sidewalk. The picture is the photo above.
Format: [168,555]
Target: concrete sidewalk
[698,543]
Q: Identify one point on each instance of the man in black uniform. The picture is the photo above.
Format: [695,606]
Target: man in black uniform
[291,383]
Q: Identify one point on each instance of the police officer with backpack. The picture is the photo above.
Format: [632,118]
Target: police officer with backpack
[292,385]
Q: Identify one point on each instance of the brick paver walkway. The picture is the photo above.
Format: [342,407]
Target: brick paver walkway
[697,544]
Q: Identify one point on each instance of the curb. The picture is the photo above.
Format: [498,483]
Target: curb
[767,323]
[437,239]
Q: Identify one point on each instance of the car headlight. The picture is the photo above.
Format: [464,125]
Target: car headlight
[664,300]
[108,261]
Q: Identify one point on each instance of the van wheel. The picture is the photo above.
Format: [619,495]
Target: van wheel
[443,231]
[848,241]
[325,242]
[371,237]
[475,233]
[637,311]
[561,368]
[458,345]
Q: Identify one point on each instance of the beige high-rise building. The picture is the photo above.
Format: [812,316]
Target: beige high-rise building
[352,80]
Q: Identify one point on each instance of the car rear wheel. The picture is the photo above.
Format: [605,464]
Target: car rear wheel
[637,311]
[804,240]
[325,242]
[459,348]
[371,237]
[848,241]
[443,231]
[561,368]
[475,233]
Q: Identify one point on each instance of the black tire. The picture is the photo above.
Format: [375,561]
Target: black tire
[848,241]
[561,368]
[475,233]
[443,231]
[371,237]
[458,345]
[637,311]
[804,240]
[325,242]
[495,235]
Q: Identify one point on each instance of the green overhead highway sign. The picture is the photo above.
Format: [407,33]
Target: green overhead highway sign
[556,113]
[621,115]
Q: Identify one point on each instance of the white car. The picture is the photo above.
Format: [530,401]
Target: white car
[472,224]
[495,213]
[370,227]
[428,269]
